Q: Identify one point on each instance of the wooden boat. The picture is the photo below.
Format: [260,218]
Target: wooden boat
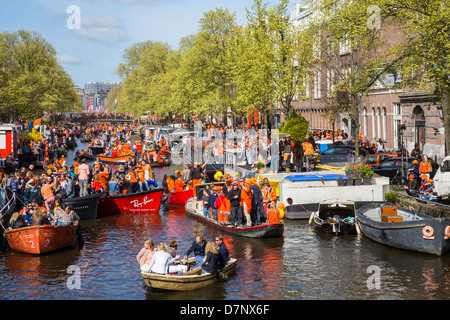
[86,207]
[335,217]
[186,282]
[114,160]
[41,239]
[157,164]
[179,198]
[404,229]
[147,201]
[266,230]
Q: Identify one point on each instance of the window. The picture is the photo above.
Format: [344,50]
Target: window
[317,84]
[330,83]
[371,160]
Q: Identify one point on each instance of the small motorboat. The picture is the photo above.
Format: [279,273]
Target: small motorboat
[265,230]
[404,229]
[179,198]
[86,207]
[146,201]
[115,160]
[191,280]
[41,239]
[335,217]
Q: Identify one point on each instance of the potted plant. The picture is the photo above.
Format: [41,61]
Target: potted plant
[358,175]
[260,166]
[367,174]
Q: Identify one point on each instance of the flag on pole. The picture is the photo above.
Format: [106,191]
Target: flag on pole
[116,102]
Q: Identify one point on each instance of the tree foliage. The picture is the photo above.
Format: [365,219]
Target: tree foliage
[31,81]
[296,126]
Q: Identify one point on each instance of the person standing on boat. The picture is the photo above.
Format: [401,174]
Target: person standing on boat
[234,196]
[246,201]
[83,177]
[255,213]
[198,247]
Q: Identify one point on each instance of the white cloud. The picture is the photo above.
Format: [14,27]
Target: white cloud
[68,59]
[101,28]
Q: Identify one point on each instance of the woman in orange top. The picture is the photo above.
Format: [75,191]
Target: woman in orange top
[96,185]
[425,168]
[273,214]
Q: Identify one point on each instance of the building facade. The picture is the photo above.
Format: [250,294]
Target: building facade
[386,112]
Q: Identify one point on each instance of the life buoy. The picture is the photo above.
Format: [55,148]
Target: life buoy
[447,232]
[427,232]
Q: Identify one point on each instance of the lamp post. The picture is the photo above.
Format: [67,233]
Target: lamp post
[401,130]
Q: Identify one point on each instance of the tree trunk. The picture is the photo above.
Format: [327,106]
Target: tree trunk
[445,101]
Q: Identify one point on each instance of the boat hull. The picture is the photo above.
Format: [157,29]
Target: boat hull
[186,282]
[86,207]
[147,202]
[180,198]
[114,160]
[408,235]
[41,239]
[266,230]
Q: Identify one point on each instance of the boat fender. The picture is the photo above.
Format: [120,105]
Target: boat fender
[428,232]
[222,276]
[447,232]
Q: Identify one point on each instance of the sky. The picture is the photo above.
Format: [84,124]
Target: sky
[90,36]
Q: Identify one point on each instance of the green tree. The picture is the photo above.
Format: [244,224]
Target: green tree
[31,81]
[296,126]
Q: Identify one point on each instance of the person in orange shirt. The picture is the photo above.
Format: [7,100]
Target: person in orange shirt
[246,202]
[133,185]
[273,214]
[179,184]
[223,207]
[170,184]
[425,168]
[103,177]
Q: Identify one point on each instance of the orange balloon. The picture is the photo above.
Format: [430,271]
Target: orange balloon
[281,205]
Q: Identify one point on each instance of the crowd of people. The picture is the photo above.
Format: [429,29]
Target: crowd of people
[210,256]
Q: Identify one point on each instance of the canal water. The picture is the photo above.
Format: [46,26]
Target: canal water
[303,265]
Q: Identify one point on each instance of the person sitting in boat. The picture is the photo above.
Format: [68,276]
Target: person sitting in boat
[145,255]
[161,260]
[113,185]
[39,218]
[171,184]
[211,260]
[175,267]
[133,185]
[273,213]
[60,217]
[179,183]
[224,255]
[198,247]
[17,221]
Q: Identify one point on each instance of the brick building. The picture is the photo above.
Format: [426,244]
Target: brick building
[384,110]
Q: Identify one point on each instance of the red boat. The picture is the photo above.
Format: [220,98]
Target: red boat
[180,198]
[147,201]
[41,239]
